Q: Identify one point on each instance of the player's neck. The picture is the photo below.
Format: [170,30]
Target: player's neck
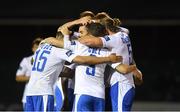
[111,33]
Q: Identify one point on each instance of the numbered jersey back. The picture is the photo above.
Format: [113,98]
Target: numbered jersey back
[47,65]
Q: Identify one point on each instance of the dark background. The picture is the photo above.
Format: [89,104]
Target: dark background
[154,31]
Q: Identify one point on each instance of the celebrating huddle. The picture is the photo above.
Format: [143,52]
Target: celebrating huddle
[99,42]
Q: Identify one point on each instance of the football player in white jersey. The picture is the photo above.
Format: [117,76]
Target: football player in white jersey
[122,86]
[48,62]
[90,78]
[24,70]
[59,94]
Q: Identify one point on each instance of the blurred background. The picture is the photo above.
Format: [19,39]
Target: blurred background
[154,31]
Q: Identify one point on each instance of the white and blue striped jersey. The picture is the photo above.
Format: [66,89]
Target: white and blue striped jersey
[25,69]
[89,79]
[120,44]
[48,63]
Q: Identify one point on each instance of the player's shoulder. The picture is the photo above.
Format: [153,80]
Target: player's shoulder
[116,36]
[29,57]
[120,34]
[26,58]
[124,37]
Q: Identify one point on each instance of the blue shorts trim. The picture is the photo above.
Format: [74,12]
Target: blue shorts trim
[90,103]
[39,103]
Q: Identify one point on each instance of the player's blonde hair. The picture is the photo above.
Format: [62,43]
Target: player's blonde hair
[117,22]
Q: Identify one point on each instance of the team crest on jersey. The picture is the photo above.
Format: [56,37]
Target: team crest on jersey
[73,42]
[125,39]
[106,38]
[69,53]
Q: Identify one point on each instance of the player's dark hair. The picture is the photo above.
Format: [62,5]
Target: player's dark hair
[87,13]
[96,29]
[36,41]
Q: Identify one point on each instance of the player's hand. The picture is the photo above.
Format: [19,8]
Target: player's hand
[138,77]
[84,20]
[65,30]
[115,59]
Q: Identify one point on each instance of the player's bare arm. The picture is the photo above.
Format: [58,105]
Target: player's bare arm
[54,41]
[92,60]
[125,69]
[82,21]
[91,41]
[22,78]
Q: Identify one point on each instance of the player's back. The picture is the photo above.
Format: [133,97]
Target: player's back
[46,68]
[121,45]
[89,79]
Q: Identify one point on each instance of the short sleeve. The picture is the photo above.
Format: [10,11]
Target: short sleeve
[22,68]
[114,65]
[64,54]
[105,40]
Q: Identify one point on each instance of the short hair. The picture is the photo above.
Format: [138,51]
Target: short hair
[87,13]
[36,41]
[101,15]
[96,29]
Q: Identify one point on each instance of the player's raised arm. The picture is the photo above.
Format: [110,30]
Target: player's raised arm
[92,60]
[82,21]
[54,41]
[61,37]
